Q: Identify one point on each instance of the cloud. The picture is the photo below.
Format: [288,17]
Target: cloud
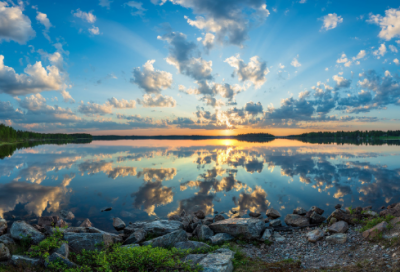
[121,104]
[208,42]
[93,109]
[105,3]
[295,62]
[35,80]
[396,61]
[185,56]
[390,23]
[157,100]
[331,21]
[341,82]
[137,6]
[393,48]
[94,30]
[253,108]
[14,25]
[85,16]
[151,80]
[381,51]
[343,59]
[255,71]
[42,18]
[229,21]
[360,55]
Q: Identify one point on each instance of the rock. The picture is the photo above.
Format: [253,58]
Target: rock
[39,228]
[63,250]
[4,253]
[175,217]
[392,205]
[8,241]
[296,220]
[115,238]
[266,235]
[168,240]
[392,232]
[339,227]
[219,217]
[218,262]
[317,210]
[316,218]
[118,224]
[61,224]
[48,221]
[338,206]
[221,238]
[136,237]
[370,214]
[3,226]
[340,215]
[21,230]
[55,257]
[131,246]
[193,259]
[333,221]
[248,227]
[86,223]
[204,232]
[383,207]
[315,235]
[67,215]
[186,222]
[190,245]
[159,227]
[338,238]
[278,238]
[107,209]
[20,260]
[254,214]
[375,231]
[367,208]
[299,211]
[87,241]
[275,223]
[266,220]
[208,221]
[200,214]
[272,213]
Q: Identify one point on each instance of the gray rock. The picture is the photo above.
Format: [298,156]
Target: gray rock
[315,235]
[118,224]
[254,214]
[86,223]
[55,257]
[190,245]
[272,213]
[208,221]
[317,210]
[372,233]
[88,241]
[221,238]
[250,228]
[48,221]
[115,238]
[339,227]
[200,214]
[299,211]
[159,227]
[67,215]
[204,232]
[4,253]
[219,217]
[339,238]
[296,220]
[194,259]
[136,237]
[218,262]
[278,238]
[63,250]
[168,240]
[370,214]
[315,218]
[8,241]
[21,229]
[266,235]
[3,226]
[392,232]
[186,222]
[24,260]
[275,223]
[131,246]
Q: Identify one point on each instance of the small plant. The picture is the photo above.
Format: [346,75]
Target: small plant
[44,247]
[267,242]
[370,223]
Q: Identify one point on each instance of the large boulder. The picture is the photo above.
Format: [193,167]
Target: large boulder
[220,261]
[136,237]
[219,217]
[317,210]
[48,221]
[296,220]
[392,232]
[338,227]
[86,223]
[200,214]
[63,250]
[8,242]
[55,257]
[220,238]
[393,209]
[254,214]
[88,241]
[159,227]
[338,238]
[266,235]
[249,228]
[4,253]
[315,235]
[193,259]
[316,218]
[115,238]
[20,260]
[272,213]
[275,223]
[203,232]
[118,224]
[3,226]
[168,240]
[340,215]
[374,232]
[190,245]
[299,211]
[21,230]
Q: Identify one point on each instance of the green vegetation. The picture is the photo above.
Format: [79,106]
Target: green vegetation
[372,134]
[44,248]
[10,135]
[370,223]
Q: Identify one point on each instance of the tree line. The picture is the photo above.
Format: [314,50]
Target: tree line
[358,134]
[9,134]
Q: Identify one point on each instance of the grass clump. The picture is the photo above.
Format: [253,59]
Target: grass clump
[370,223]
[43,249]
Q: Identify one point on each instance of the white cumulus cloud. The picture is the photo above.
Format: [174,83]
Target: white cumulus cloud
[151,80]
[331,21]
[14,25]
[255,71]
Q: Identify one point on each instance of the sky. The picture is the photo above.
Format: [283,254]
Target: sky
[204,67]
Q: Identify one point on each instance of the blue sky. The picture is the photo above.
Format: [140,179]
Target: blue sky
[199,66]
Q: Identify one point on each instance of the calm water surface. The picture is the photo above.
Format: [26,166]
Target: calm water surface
[143,179]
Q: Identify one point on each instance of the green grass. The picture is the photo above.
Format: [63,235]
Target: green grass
[370,223]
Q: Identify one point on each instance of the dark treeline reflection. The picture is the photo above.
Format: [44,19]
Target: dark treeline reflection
[147,180]
[353,141]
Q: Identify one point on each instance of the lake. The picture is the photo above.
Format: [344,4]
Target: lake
[144,179]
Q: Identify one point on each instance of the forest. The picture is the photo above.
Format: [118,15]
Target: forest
[9,134]
[372,134]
